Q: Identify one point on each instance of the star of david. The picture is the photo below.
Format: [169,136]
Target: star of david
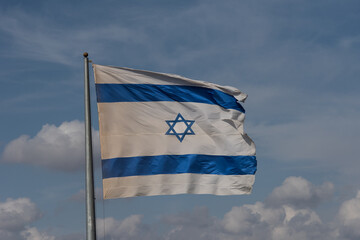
[180,127]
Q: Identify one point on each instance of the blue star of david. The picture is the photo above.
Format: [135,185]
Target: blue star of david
[180,135]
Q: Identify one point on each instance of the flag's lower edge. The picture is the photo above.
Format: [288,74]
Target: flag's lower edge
[171,184]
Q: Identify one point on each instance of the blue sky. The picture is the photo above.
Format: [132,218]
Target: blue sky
[297,60]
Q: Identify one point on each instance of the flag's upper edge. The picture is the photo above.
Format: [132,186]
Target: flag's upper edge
[123,75]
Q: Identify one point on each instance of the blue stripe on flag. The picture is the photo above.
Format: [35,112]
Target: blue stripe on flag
[176,164]
[177,93]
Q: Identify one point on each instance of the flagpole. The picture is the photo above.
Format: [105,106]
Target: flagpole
[89,175]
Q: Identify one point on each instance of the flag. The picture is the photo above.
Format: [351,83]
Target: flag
[163,134]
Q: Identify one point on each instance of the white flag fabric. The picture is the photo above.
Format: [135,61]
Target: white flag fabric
[163,134]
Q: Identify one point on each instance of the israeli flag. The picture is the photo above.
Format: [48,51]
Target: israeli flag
[164,134]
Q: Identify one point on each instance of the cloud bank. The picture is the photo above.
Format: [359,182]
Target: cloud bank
[55,147]
[293,217]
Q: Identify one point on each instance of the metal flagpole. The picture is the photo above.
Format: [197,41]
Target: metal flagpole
[89,175]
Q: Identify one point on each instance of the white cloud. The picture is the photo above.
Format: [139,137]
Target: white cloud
[34,234]
[130,228]
[17,213]
[299,192]
[257,221]
[17,217]
[249,222]
[60,148]
[242,220]
[197,224]
[349,217]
